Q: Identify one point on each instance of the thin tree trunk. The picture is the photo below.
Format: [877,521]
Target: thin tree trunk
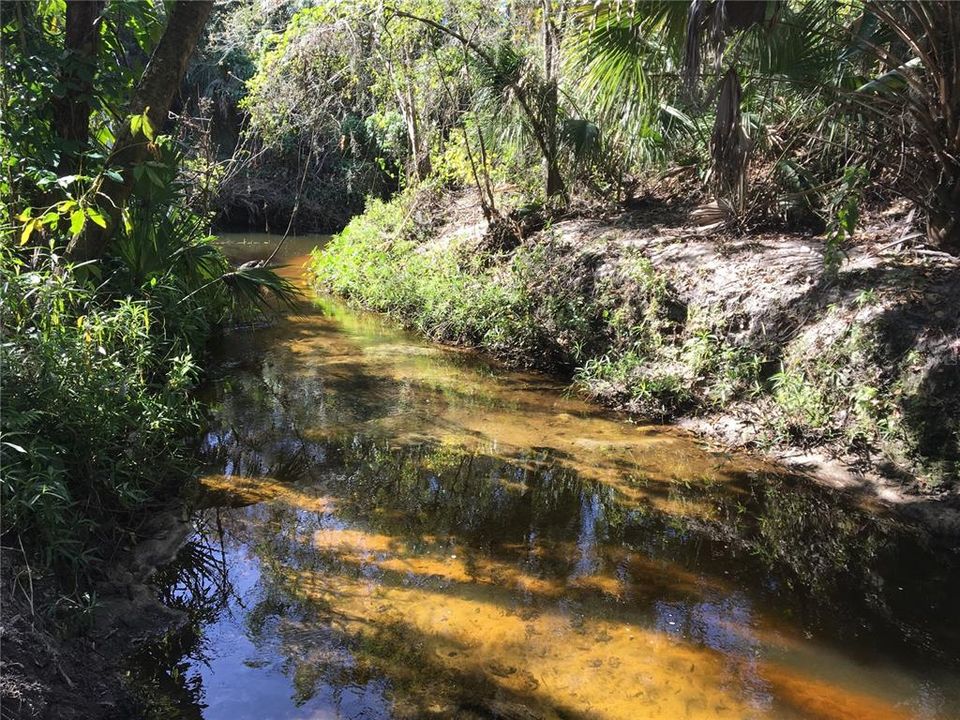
[485,165]
[943,218]
[72,111]
[519,92]
[153,95]
[552,179]
[421,155]
[418,167]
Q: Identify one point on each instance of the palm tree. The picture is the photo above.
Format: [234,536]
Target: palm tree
[917,100]
[893,63]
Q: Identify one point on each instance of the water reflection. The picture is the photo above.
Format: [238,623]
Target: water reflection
[396,530]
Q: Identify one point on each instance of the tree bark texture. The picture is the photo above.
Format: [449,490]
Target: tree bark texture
[153,95]
[79,65]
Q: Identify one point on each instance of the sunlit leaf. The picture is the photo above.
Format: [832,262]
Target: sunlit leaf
[78,219]
[27,231]
[97,217]
[147,126]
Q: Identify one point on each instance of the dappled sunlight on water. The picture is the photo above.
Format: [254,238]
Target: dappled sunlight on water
[395,529]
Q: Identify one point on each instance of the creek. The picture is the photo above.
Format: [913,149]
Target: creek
[393,528]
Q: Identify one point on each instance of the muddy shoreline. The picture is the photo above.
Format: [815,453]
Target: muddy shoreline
[76,672]
[936,515]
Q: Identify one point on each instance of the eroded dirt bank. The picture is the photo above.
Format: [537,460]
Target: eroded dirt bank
[62,657]
[851,374]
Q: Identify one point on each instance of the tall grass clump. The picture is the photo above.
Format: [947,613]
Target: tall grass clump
[96,403]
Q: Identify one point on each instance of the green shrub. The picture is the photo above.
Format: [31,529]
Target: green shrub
[378,261]
[621,332]
[95,405]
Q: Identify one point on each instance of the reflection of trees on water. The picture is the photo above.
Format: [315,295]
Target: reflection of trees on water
[779,536]
[779,542]
[197,583]
[789,548]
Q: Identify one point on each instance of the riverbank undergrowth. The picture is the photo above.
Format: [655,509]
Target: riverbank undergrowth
[663,322]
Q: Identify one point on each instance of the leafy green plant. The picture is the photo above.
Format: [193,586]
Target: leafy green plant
[99,356]
[95,405]
[804,408]
[843,211]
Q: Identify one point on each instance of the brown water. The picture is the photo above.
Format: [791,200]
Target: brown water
[397,529]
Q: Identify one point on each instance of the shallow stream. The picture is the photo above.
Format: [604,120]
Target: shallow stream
[392,528]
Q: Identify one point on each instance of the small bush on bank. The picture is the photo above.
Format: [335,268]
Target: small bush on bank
[378,262]
[95,406]
[853,387]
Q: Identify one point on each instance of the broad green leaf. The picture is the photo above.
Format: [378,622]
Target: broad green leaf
[105,136]
[78,219]
[28,229]
[97,217]
[148,128]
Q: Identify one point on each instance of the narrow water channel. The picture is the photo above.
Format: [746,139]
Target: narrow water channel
[394,529]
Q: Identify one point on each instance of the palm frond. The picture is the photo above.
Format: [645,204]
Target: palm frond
[616,46]
[581,136]
[804,46]
[254,285]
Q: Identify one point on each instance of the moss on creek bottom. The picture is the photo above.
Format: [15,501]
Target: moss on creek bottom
[870,385]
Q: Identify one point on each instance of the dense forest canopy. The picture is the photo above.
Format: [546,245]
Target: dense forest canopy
[768,111]
[775,111]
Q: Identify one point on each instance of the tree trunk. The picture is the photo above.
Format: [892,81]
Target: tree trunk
[943,219]
[153,95]
[72,111]
[420,153]
[729,144]
[552,179]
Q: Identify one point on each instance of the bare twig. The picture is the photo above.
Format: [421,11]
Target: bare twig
[26,564]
